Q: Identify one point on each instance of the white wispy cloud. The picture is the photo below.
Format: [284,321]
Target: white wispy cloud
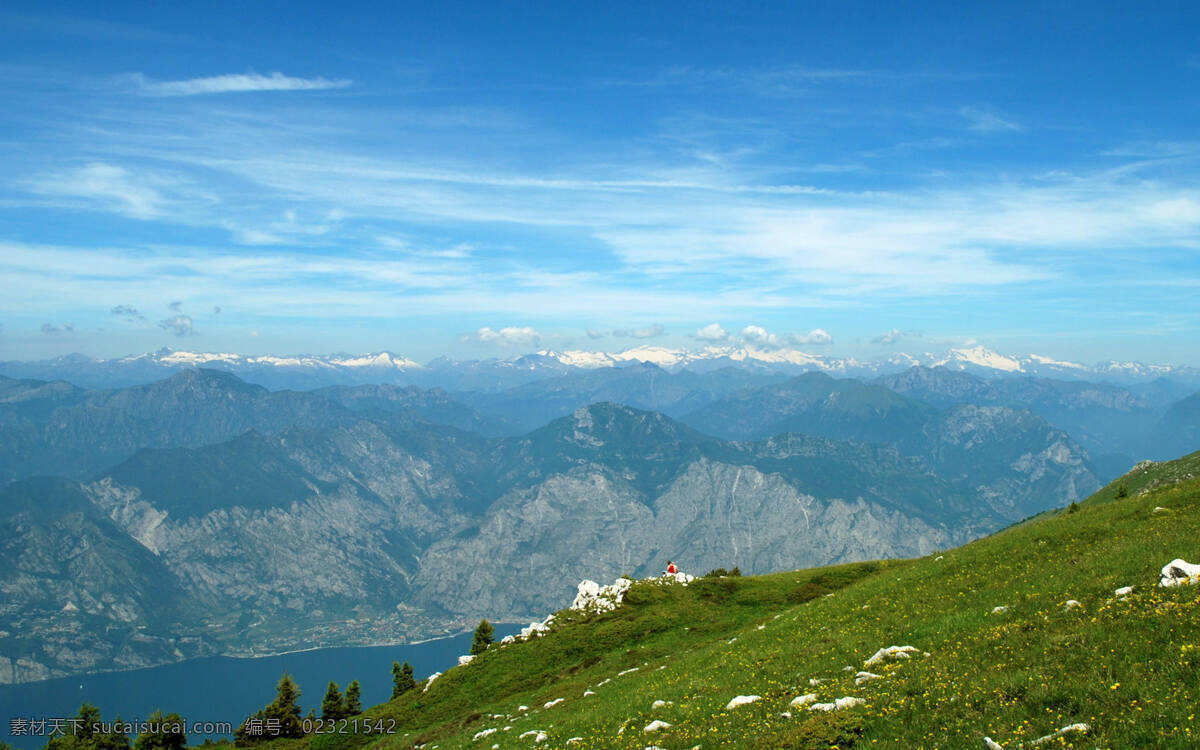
[888,337]
[985,120]
[233,83]
[105,187]
[648,332]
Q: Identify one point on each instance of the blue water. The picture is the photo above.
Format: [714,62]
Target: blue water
[223,689]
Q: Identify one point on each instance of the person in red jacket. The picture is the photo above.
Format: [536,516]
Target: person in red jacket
[671,569]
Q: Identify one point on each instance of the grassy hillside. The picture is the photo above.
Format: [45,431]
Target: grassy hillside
[1128,667]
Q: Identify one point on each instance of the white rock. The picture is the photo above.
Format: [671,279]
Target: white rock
[1124,591]
[522,708]
[553,703]
[466,659]
[741,700]
[862,677]
[537,734]
[656,725]
[573,740]
[891,652]
[845,702]
[586,693]
[1070,728]
[1178,572]
[1158,509]
[484,733]
[659,703]
[991,744]
[786,715]
[803,700]
[1072,604]
[999,610]
[814,681]
[592,597]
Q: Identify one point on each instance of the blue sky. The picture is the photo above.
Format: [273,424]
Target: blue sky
[486,179]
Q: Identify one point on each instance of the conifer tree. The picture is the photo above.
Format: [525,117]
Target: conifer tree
[332,707]
[402,679]
[243,737]
[162,733]
[353,702]
[483,637]
[284,708]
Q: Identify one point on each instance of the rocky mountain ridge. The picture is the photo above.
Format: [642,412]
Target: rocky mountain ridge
[313,524]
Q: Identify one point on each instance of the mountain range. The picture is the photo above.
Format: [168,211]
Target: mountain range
[259,521]
[312,371]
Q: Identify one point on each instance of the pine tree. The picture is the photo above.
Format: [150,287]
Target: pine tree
[284,709]
[353,699]
[1122,491]
[483,637]
[332,707]
[114,740]
[82,734]
[402,679]
[162,733]
[243,736]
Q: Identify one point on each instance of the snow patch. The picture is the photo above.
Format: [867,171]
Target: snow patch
[803,700]
[656,725]
[862,677]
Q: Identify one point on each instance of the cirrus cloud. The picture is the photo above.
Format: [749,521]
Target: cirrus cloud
[233,83]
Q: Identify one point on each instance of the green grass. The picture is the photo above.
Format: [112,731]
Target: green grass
[1129,668]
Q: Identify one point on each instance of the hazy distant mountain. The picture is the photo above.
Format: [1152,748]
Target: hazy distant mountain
[338,529]
[313,371]
[814,404]
[1179,429]
[1115,426]
[53,428]
[641,385]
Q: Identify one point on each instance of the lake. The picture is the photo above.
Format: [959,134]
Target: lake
[225,689]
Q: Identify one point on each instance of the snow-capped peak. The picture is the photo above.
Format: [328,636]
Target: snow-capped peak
[979,356]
